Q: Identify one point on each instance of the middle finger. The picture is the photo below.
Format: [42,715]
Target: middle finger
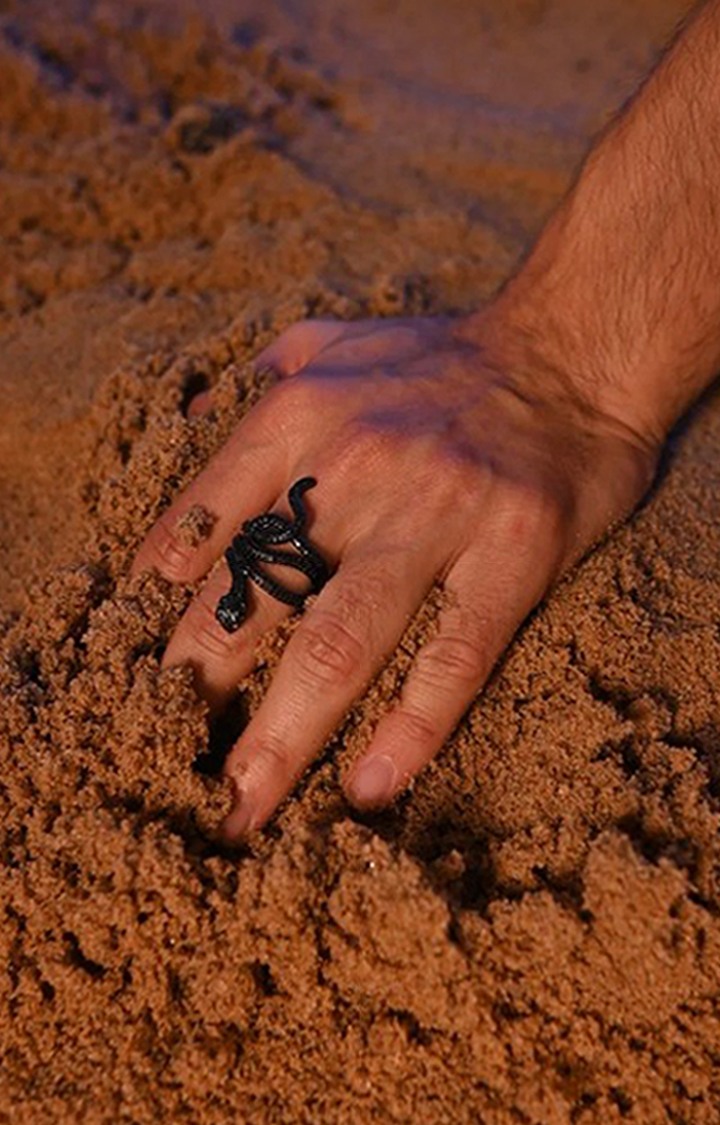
[352,627]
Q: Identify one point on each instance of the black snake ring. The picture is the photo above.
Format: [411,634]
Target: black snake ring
[255,544]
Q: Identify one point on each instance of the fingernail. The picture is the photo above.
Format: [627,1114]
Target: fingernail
[374,781]
[239,821]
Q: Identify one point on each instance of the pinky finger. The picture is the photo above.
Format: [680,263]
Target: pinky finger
[447,674]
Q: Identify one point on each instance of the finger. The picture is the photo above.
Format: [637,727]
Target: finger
[240,481]
[297,345]
[220,659]
[491,592]
[355,622]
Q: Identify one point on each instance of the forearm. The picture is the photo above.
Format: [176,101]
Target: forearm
[622,289]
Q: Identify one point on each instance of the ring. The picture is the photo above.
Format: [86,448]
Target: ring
[258,543]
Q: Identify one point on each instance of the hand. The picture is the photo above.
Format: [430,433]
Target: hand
[435,457]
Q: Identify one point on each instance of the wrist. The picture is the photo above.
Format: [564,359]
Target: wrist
[621,291]
[540,349]
[607,461]
[565,314]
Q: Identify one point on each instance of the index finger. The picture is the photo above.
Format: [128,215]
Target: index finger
[246,476]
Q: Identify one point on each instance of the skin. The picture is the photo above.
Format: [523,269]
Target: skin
[490,451]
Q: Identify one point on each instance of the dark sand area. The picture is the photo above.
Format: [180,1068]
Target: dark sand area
[532,936]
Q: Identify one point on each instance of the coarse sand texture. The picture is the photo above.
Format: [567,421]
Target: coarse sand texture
[532,935]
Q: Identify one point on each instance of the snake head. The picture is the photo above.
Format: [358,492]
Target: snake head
[231,612]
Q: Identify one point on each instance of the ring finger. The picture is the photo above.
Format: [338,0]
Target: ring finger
[221,659]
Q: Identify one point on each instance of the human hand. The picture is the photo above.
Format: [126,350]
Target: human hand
[436,457]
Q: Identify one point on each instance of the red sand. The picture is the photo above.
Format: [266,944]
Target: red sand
[532,935]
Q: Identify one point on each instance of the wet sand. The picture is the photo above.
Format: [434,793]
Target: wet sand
[532,934]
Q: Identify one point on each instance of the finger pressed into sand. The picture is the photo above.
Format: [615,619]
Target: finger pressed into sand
[241,481]
[355,623]
[490,593]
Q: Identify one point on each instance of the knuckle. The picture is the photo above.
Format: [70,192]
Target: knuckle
[266,760]
[451,475]
[363,444]
[275,759]
[329,652]
[286,404]
[451,660]
[376,591]
[419,727]
[167,552]
[366,591]
[537,511]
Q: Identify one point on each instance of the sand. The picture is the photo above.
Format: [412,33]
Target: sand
[532,935]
